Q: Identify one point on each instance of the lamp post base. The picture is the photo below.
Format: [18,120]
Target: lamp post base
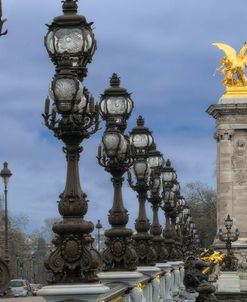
[151,271]
[73,292]
[130,278]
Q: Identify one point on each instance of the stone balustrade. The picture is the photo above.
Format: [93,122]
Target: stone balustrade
[162,283]
[164,286]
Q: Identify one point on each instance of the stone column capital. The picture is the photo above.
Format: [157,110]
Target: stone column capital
[224,134]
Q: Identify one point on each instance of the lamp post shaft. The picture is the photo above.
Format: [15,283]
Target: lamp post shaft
[142,223]
[98,240]
[118,206]
[142,239]
[6,225]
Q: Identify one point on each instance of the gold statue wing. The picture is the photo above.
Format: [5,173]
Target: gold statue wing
[243,49]
[242,54]
[228,50]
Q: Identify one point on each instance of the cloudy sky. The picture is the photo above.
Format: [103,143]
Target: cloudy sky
[162,51]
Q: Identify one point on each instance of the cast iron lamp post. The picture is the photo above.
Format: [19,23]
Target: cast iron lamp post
[230,261]
[141,139]
[178,222]
[6,174]
[177,206]
[74,117]
[185,230]
[115,156]
[156,229]
[156,162]
[169,176]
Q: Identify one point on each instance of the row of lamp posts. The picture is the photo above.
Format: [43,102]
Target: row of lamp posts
[72,115]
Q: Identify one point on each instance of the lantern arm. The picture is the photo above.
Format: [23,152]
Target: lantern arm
[113,164]
[86,122]
[91,122]
[103,160]
[50,118]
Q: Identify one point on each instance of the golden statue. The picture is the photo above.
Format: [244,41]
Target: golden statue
[233,68]
[213,257]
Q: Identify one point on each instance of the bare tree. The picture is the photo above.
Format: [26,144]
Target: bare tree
[46,229]
[201,200]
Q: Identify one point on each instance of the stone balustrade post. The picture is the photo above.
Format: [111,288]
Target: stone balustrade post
[156,284]
[181,284]
[137,295]
[176,279]
[165,282]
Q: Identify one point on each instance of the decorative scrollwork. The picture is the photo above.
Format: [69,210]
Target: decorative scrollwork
[119,254]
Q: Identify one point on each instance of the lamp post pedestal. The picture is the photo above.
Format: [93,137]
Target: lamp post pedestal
[128,277]
[73,292]
[151,271]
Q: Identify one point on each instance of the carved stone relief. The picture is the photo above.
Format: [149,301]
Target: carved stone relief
[225,187]
[239,161]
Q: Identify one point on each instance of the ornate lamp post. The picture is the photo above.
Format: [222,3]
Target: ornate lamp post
[73,117]
[156,229]
[177,206]
[6,174]
[185,230]
[156,162]
[115,156]
[169,176]
[141,139]
[230,261]
[178,222]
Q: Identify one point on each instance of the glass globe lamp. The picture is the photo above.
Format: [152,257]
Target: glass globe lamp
[71,35]
[116,104]
[66,90]
[155,158]
[141,169]
[115,144]
[141,138]
[168,174]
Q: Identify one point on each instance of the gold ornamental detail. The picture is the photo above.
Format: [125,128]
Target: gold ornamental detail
[233,67]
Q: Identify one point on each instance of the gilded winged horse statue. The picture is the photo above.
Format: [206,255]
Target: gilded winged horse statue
[233,65]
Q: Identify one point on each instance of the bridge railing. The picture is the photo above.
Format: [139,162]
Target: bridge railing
[166,286]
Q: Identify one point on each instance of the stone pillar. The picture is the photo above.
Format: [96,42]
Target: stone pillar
[231,136]
[176,278]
